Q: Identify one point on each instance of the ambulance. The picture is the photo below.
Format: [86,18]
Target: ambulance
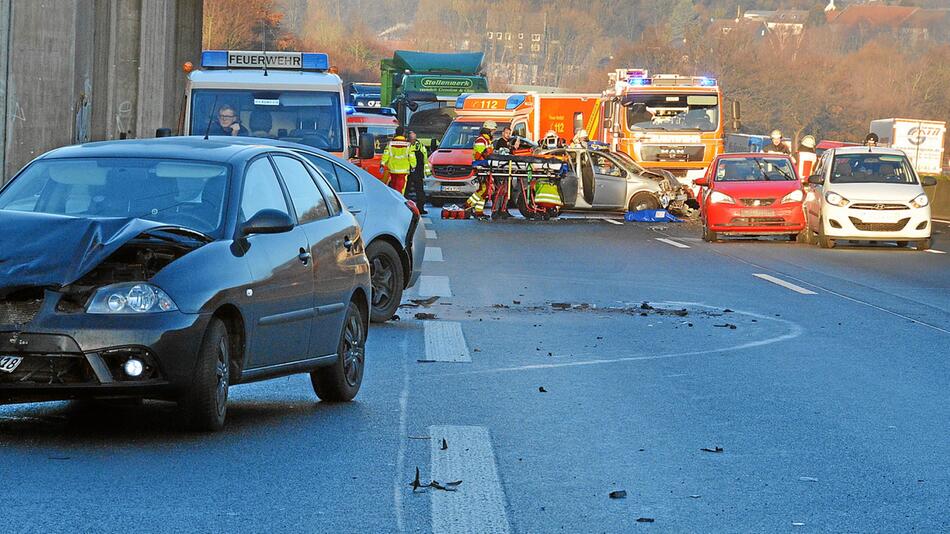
[664,121]
[290,96]
[530,116]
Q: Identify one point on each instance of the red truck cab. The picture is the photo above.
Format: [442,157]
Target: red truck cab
[383,128]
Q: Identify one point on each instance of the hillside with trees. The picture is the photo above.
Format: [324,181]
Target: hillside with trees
[791,64]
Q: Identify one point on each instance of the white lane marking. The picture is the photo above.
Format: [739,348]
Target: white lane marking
[611,221]
[400,475]
[478,505]
[430,234]
[433,254]
[445,342]
[783,283]
[434,286]
[794,331]
[932,251]
[426,220]
[671,242]
[940,221]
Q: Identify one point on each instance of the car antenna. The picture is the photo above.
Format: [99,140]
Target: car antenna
[211,116]
[264,45]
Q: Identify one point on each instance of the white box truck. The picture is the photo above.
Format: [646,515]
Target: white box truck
[921,140]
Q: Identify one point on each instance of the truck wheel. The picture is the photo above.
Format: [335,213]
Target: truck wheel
[387,278]
[205,403]
[823,240]
[341,381]
[643,201]
[924,244]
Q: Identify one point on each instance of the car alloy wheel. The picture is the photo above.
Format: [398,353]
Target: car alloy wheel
[354,350]
[386,276]
[341,381]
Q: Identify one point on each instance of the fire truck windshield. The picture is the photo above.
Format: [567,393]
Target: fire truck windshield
[672,112]
[313,118]
[463,134]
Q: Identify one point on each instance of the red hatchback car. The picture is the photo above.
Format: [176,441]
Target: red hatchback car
[751,194]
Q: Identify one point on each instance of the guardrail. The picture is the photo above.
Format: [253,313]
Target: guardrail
[940,198]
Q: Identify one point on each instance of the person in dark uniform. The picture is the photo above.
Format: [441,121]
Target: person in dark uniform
[418,174]
[506,142]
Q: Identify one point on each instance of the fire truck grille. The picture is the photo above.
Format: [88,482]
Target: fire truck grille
[672,153]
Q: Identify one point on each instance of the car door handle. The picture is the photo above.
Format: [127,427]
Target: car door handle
[304,256]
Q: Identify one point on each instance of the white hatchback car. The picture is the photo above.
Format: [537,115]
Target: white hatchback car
[868,194]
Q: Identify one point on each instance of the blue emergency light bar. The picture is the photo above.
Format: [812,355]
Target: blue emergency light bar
[707,82]
[514,101]
[244,59]
[640,81]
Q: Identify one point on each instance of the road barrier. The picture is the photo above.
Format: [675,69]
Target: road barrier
[940,198]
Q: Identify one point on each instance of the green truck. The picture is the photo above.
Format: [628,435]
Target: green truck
[423,87]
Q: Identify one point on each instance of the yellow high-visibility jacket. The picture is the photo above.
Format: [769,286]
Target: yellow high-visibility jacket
[398,158]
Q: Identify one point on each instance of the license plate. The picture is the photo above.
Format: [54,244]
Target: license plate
[451,189]
[876,217]
[758,213]
[8,364]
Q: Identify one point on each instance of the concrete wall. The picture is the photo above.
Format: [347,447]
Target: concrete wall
[73,71]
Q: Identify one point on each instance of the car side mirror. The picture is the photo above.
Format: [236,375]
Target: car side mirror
[702,182]
[928,181]
[816,179]
[367,146]
[268,221]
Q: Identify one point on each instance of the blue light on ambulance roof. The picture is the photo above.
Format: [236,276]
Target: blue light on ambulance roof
[460,101]
[349,109]
[514,101]
[214,58]
[640,81]
[707,82]
[314,61]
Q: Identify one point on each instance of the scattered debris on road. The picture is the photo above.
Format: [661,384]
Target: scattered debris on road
[808,479]
[619,494]
[434,484]
[424,302]
[561,305]
[426,316]
[445,445]
[695,496]
[516,302]
[716,449]
[395,318]
[645,520]
[542,390]
[730,326]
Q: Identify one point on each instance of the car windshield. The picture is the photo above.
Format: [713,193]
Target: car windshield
[312,118]
[183,193]
[672,112]
[627,162]
[754,170]
[872,168]
[463,134]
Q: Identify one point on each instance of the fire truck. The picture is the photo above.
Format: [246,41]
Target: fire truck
[664,121]
[291,96]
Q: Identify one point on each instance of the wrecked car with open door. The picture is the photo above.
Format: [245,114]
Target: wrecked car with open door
[174,268]
[608,180]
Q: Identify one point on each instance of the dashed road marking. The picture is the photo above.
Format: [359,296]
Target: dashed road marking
[478,504]
[426,221]
[940,221]
[676,244]
[445,342]
[611,221]
[430,234]
[932,251]
[434,286]
[433,254]
[783,283]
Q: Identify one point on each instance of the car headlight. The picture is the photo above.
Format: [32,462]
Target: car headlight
[920,201]
[795,196]
[835,199]
[133,297]
[720,198]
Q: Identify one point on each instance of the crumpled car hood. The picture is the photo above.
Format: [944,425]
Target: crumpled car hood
[43,250]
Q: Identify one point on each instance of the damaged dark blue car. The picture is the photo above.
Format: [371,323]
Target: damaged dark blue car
[174,268]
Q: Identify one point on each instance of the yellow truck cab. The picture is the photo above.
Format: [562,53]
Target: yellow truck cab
[665,121]
[290,96]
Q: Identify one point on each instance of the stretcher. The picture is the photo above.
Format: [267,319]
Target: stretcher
[533,182]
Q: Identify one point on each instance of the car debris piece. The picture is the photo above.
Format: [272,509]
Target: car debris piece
[695,496]
[445,445]
[645,520]
[619,494]
[424,302]
[645,306]
[425,316]
[516,302]
[502,306]
[416,484]
[716,449]
[561,305]
[681,313]
[808,479]
[395,318]
[797,524]
[542,390]
[730,326]
[727,310]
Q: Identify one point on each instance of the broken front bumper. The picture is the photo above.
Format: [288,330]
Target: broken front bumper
[73,355]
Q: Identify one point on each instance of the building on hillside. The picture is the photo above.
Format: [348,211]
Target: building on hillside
[516,47]
[912,24]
